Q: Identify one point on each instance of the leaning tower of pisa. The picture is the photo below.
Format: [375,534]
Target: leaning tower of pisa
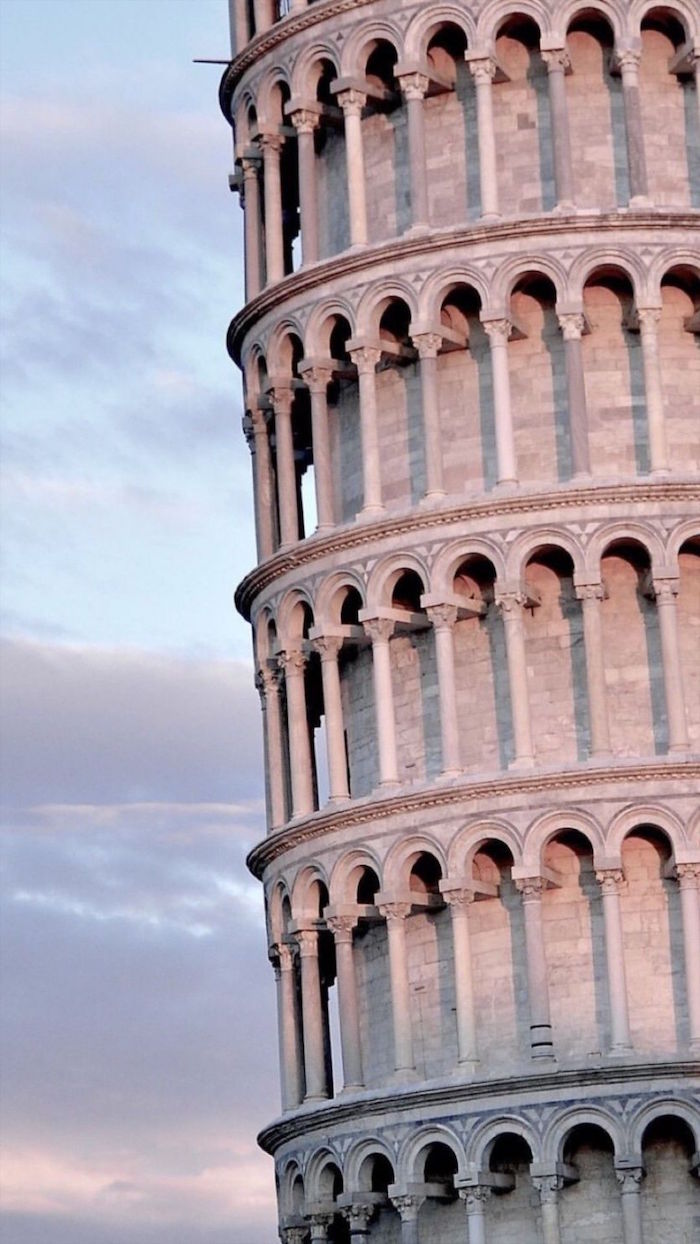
[472,389]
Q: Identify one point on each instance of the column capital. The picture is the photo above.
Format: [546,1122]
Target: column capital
[531,888]
[394,911]
[629,1178]
[357,1216]
[341,927]
[407,1205]
[307,941]
[589,591]
[281,398]
[292,661]
[443,617]
[611,880]
[647,317]
[316,376]
[476,1196]
[270,141]
[284,956]
[688,876]
[497,329]
[665,590]
[510,602]
[365,358]
[327,646]
[248,428]
[427,344]
[627,59]
[460,898]
[557,60]
[482,68]
[379,630]
[548,1187]
[572,324]
[267,679]
[304,120]
[250,166]
[351,101]
[413,84]
[321,1217]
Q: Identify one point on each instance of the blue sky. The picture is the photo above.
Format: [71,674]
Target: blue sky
[134,967]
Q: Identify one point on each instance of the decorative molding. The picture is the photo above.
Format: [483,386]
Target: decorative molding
[351,262]
[409,803]
[451,1093]
[352,535]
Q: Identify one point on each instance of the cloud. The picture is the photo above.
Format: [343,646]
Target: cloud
[91,725]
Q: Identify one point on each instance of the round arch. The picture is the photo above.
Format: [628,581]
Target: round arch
[358,1153]
[274,76]
[636,817]
[638,533]
[497,12]
[541,831]
[425,24]
[317,341]
[353,57]
[530,542]
[301,80]
[438,1134]
[385,574]
[324,611]
[674,1106]
[607,262]
[467,841]
[613,14]
[404,853]
[346,867]
[558,1131]
[456,552]
[485,1136]
[304,901]
[374,300]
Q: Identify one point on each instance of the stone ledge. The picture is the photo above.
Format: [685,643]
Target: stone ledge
[451,1092]
[408,802]
[361,260]
[350,536]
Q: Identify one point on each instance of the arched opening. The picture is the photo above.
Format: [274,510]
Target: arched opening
[555,654]
[385,144]
[430,955]
[400,419]
[415,688]
[539,393]
[650,901]
[441,1211]
[330,164]
[466,394]
[593,1198]
[596,114]
[574,937]
[688,614]
[498,961]
[512,1210]
[670,1190]
[425,876]
[679,351]
[278,98]
[632,652]
[525,162]
[612,359]
[330,1188]
[343,418]
[375,1176]
[481,670]
[367,886]
[453,165]
[669,111]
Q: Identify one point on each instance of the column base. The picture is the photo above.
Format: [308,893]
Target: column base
[521,762]
[417,230]
[505,485]
[639,201]
[351,1088]
[678,749]
[388,784]
[405,1075]
[564,209]
[490,218]
[660,472]
[370,511]
[620,1051]
[431,498]
[599,757]
[312,1099]
[467,1067]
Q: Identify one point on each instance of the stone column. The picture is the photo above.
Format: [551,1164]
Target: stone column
[541,1045]
[290,1051]
[252,226]
[293,663]
[286,468]
[395,915]
[511,605]
[590,595]
[413,89]
[352,102]
[572,326]
[312,1016]
[443,618]
[358,1219]
[328,648]
[460,901]
[341,927]
[317,378]
[255,431]
[263,11]
[548,1188]
[627,61]
[557,62]
[648,318]
[365,359]
[408,1208]
[630,1182]
[241,25]
[380,631]
[688,880]
[612,881]
[267,682]
[428,345]
[271,145]
[475,1200]
[305,121]
[483,70]
[665,593]
[498,332]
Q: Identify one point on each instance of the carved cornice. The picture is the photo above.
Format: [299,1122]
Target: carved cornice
[350,263]
[451,1093]
[409,803]
[353,535]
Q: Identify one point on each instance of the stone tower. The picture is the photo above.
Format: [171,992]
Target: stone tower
[472,392]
